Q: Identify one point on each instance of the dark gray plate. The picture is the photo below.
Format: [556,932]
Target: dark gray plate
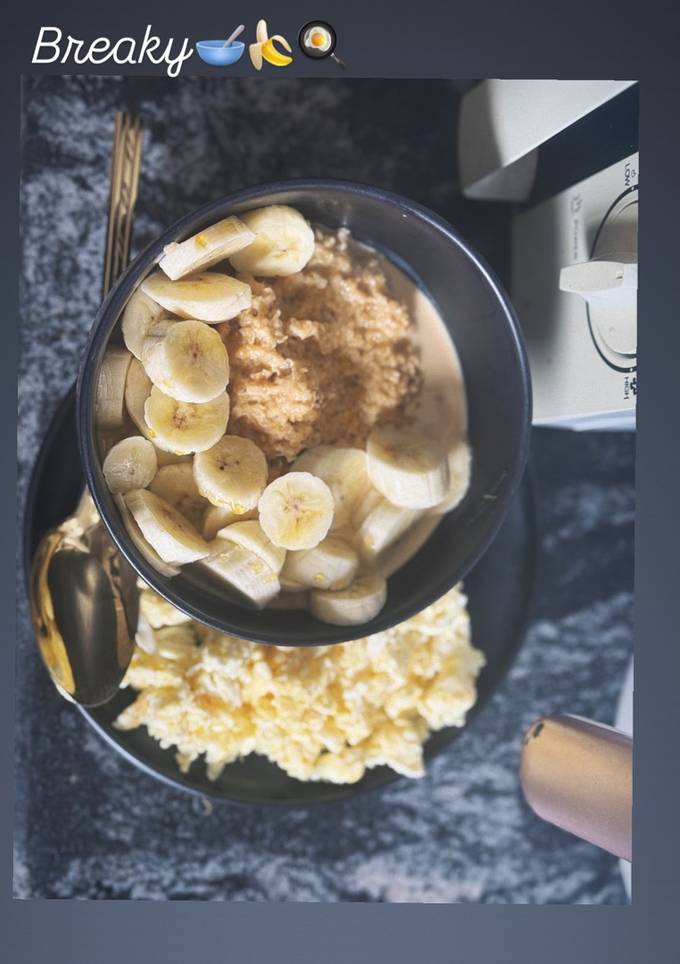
[499,591]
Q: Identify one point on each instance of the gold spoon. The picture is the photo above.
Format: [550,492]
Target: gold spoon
[83,594]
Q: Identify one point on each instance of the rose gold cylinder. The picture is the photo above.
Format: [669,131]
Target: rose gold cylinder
[578,775]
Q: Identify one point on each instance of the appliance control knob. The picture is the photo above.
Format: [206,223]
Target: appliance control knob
[609,281]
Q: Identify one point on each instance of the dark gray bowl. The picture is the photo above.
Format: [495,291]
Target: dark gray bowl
[486,334]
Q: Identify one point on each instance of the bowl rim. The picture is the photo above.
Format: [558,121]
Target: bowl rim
[218,40]
[109,313]
[211,44]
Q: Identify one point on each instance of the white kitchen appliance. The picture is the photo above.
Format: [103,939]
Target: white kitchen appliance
[565,153]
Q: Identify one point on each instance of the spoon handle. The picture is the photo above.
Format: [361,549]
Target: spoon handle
[232,37]
[125,164]
[64,543]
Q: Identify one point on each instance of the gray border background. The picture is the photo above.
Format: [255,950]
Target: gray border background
[541,38]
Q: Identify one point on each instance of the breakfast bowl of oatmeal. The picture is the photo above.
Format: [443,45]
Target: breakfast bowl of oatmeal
[303,412]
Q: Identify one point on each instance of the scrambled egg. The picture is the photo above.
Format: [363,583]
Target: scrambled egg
[322,713]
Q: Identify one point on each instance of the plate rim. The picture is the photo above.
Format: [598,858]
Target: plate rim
[526,491]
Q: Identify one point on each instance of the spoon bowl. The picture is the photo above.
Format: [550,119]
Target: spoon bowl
[85,607]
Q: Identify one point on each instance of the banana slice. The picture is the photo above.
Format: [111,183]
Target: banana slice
[156,333]
[407,467]
[141,314]
[332,564]
[249,535]
[344,472]
[218,516]
[138,387]
[460,469]
[233,473]
[140,542]
[367,504]
[184,427]
[382,524]
[208,296]
[169,533]
[131,464]
[283,245]
[189,362]
[206,248]
[109,401]
[158,612]
[177,485]
[245,572]
[296,510]
[357,604]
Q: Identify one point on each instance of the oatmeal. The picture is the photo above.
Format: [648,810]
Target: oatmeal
[314,399]
[321,356]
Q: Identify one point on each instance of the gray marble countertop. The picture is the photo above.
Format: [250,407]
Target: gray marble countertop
[88,825]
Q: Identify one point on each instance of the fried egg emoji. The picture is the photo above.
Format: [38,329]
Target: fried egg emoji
[317,39]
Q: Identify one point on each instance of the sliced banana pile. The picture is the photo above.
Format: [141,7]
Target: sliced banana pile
[191,493]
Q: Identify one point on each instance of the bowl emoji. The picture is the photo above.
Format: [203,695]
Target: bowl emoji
[215,53]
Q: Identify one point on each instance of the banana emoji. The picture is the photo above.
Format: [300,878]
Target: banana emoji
[245,572]
[296,510]
[207,296]
[177,485]
[332,564]
[206,248]
[165,529]
[249,535]
[274,56]
[131,464]
[141,314]
[360,602]
[188,362]
[408,468]
[232,473]
[184,427]
[344,472]
[264,48]
[460,468]
[284,242]
[109,407]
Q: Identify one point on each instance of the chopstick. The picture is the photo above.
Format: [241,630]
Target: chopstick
[125,164]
